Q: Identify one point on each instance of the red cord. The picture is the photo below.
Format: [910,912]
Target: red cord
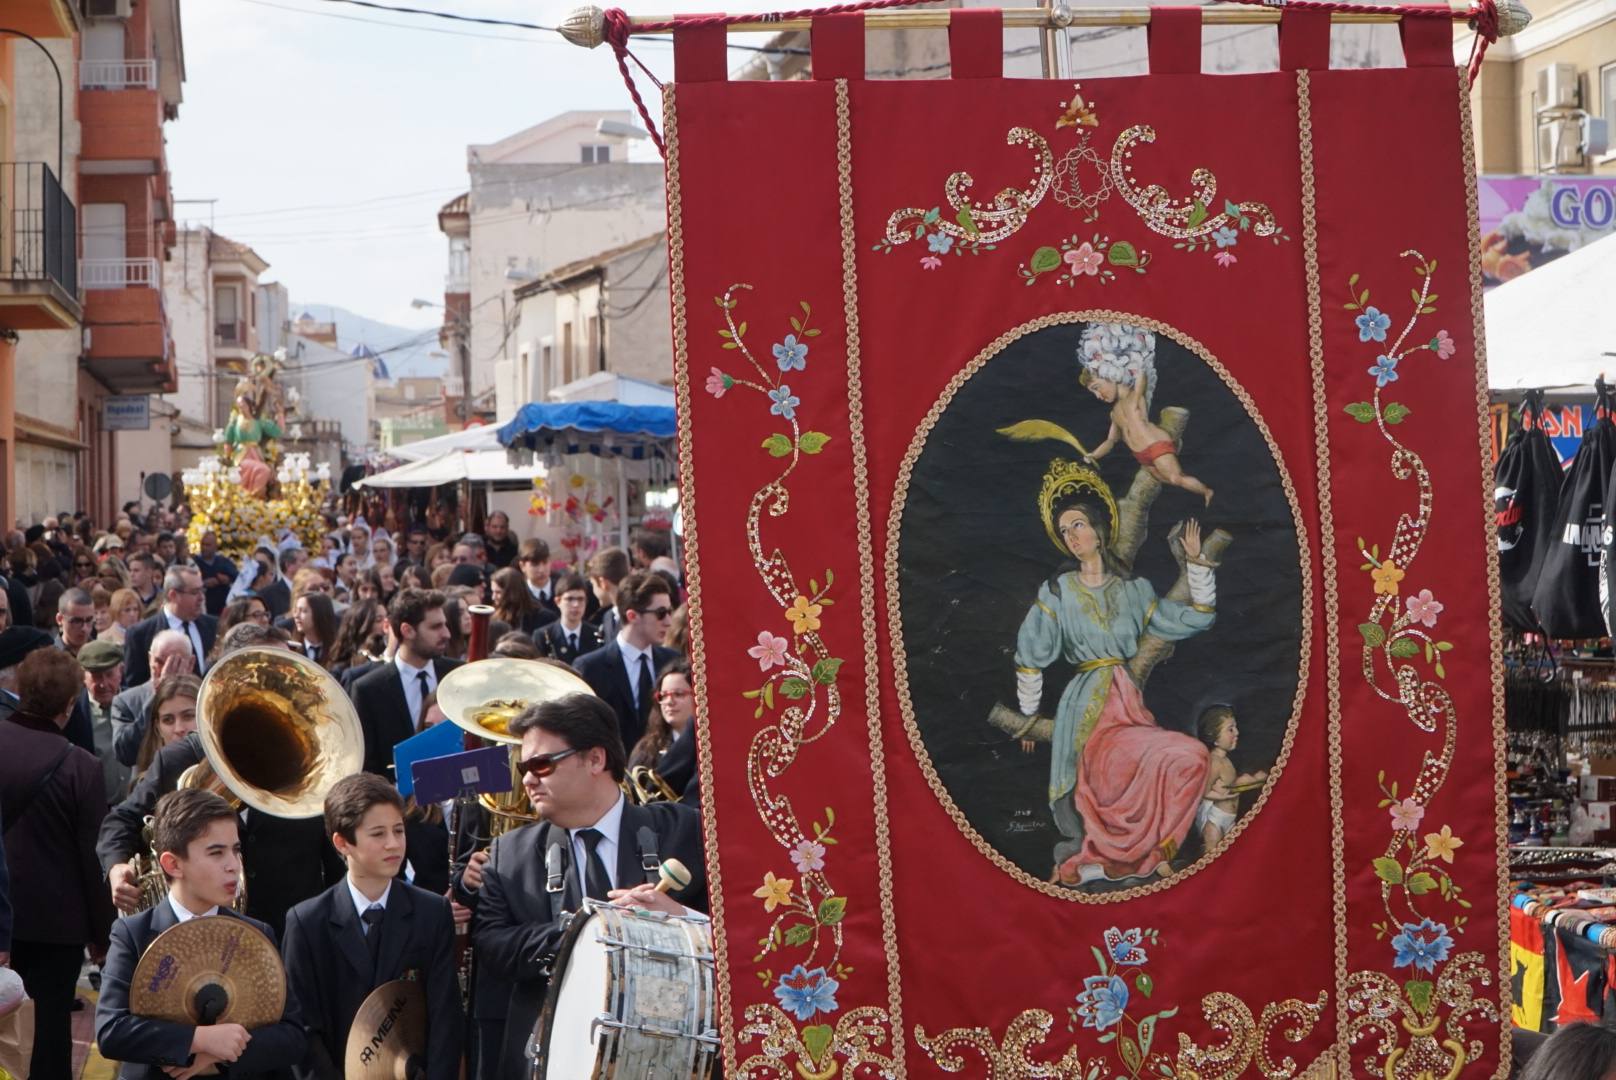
[619,27]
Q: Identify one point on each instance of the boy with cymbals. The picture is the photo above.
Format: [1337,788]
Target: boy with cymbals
[195,834]
[368,929]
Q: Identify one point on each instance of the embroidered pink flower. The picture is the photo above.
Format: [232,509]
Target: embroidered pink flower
[1443,345]
[808,856]
[1225,258]
[1406,815]
[931,262]
[1083,259]
[718,382]
[1424,608]
[769,650]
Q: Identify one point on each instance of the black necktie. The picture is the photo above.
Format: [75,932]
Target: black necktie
[425,690]
[192,643]
[572,642]
[596,883]
[644,696]
[373,930]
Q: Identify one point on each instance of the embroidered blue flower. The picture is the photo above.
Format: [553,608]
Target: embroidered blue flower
[802,993]
[939,243]
[1226,237]
[791,353]
[1124,946]
[1385,370]
[1101,1001]
[785,403]
[1424,945]
[1373,324]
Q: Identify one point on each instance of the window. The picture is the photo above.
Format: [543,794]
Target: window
[566,353]
[547,370]
[1607,92]
[595,155]
[595,359]
[227,327]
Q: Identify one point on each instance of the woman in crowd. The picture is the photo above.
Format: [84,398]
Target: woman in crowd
[169,718]
[83,566]
[314,619]
[113,573]
[359,545]
[361,638]
[347,571]
[370,586]
[101,600]
[459,619]
[416,576]
[514,604]
[668,745]
[247,609]
[440,576]
[439,555]
[381,551]
[125,608]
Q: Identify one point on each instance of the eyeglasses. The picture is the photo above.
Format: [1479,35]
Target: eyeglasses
[674,695]
[656,612]
[84,564]
[78,620]
[543,765]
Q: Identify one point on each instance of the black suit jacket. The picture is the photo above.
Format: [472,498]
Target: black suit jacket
[384,712]
[137,645]
[144,1045]
[552,641]
[328,970]
[284,860]
[605,673]
[517,928]
[277,597]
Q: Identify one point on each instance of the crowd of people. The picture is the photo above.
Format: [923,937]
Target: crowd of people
[105,637]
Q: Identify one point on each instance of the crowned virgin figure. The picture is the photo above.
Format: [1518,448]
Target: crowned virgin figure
[1123,790]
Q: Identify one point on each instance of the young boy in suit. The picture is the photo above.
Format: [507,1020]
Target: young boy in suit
[195,834]
[369,929]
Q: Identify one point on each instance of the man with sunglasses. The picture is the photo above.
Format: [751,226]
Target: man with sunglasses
[623,671]
[604,849]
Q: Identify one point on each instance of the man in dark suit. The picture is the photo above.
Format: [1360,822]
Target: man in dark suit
[388,698]
[623,670]
[369,929]
[52,799]
[181,612]
[170,654]
[570,637]
[287,860]
[199,850]
[605,849]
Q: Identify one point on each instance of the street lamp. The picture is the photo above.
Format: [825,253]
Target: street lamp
[462,336]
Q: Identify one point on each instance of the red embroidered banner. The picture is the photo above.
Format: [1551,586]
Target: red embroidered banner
[1090,559]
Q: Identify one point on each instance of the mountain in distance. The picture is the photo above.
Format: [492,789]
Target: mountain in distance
[407,352]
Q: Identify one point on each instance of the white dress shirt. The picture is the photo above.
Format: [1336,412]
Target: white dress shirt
[176,624]
[539,593]
[610,828]
[631,661]
[183,913]
[411,677]
[363,903]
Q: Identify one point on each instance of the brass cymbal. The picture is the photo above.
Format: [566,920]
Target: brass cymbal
[215,960]
[484,696]
[388,1038]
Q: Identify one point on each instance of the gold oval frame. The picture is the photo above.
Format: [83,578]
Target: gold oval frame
[900,665]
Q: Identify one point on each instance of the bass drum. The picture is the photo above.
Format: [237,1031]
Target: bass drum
[631,995]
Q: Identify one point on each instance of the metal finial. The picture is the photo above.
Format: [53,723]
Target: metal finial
[585,26]
[1512,17]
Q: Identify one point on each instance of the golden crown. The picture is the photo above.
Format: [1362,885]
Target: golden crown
[1065,478]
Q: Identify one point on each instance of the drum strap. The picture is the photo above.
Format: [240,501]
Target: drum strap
[555,861]
[650,861]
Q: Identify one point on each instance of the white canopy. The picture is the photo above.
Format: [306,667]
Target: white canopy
[479,466]
[484,437]
[1555,326]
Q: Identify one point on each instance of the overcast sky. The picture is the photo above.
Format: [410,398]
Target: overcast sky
[329,134]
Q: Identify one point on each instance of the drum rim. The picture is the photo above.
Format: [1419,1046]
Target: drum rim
[552,992]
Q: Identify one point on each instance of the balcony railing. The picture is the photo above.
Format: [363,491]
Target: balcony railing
[119,273]
[117,74]
[230,334]
[38,227]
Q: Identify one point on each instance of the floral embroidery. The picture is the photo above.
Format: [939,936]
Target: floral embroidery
[1225,258]
[808,856]
[1442,845]
[1423,608]
[1102,1001]
[774,891]
[1098,257]
[1123,946]
[718,382]
[1373,324]
[791,353]
[804,993]
[1387,574]
[1084,260]
[1384,370]
[1407,814]
[1443,345]
[785,402]
[769,651]
[1082,181]
[803,614]
[1424,945]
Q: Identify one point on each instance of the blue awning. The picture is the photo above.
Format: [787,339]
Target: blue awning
[602,428]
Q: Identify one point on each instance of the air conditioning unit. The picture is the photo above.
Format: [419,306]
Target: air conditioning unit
[1559,143]
[1558,87]
[108,9]
[1595,136]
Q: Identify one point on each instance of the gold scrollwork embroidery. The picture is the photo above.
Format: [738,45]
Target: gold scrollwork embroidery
[1292,1019]
[1438,1045]
[856,1039]
[1183,219]
[975,222]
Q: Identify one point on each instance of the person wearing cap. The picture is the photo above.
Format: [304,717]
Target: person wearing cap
[103,673]
[109,542]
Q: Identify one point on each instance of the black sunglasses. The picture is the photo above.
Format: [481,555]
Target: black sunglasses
[658,612]
[543,765]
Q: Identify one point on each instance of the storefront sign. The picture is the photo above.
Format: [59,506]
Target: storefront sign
[1527,221]
[131,412]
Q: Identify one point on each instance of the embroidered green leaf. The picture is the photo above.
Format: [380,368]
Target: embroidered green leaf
[725,334]
[1044,260]
[1421,883]
[1147,1034]
[967,222]
[920,230]
[777,445]
[1361,411]
[768,694]
[1441,672]
[816,1040]
[750,694]
[831,910]
[1107,1037]
[806,310]
[799,934]
[1404,648]
[1122,253]
[1130,1053]
[730,345]
[1395,412]
[1197,214]
[825,670]
[794,688]
[1418,992]
[1389,870]
[796,324]
[1145,984]
[1352,282]
[812,442]
[830,578]
[1231,209]
[1099,959]
[1444,646]
[740,331]
[932,215]
[1374,634]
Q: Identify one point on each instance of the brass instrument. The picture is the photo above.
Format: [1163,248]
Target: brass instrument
[642,785]
[277,732]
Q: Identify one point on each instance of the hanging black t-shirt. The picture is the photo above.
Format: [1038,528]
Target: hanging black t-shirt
[1526,487]
[1566,601]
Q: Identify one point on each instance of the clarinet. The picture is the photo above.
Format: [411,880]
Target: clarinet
[465,811]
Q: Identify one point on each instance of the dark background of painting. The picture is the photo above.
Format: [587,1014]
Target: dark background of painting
[973,552]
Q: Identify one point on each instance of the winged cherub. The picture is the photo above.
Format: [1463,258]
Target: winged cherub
[1119,367]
